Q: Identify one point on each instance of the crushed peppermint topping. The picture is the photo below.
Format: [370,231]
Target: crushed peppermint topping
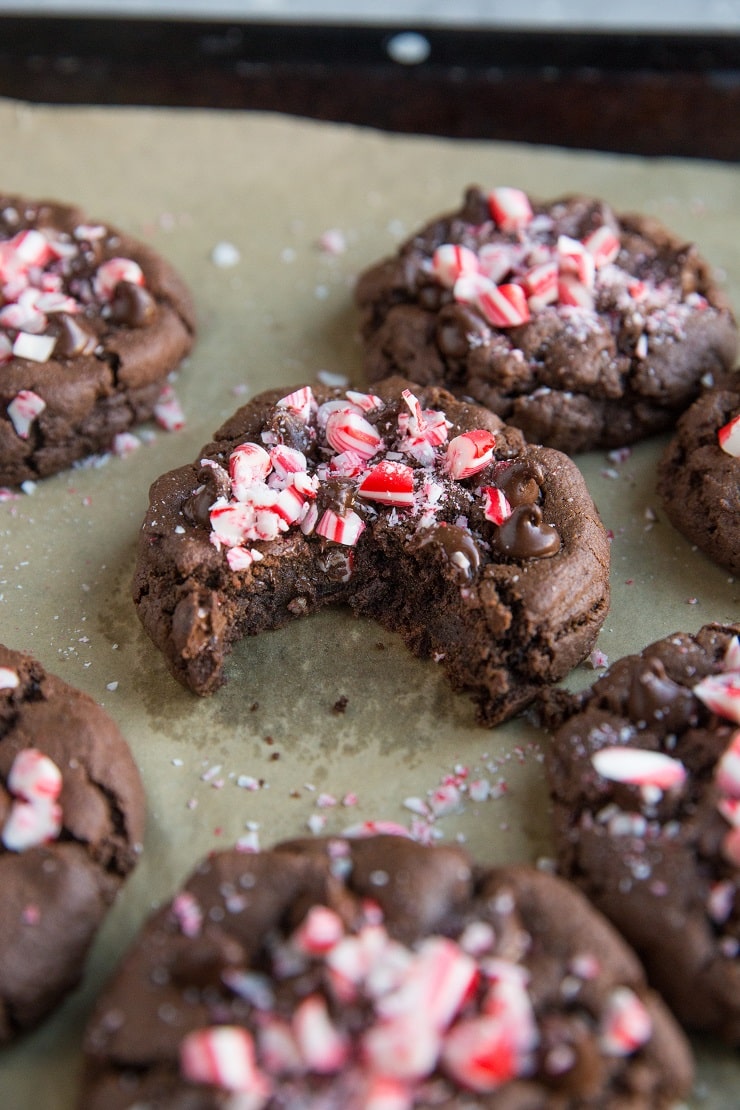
[728,437]
[35,817]
[443,1010]
[349,473]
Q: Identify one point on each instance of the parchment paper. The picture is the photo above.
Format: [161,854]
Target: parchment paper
[268,755]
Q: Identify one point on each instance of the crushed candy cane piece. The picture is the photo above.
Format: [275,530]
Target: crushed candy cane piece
[496,507]
[23,410]
[35,348]
[729,437]
[35,815]
[300,402]
[390,483]
[603,245]
[469,453]
[574,259]
[188,914]
[9,679]
[168,411]
[224,1056]
[510,208]
[450,261]
[626,1024]
[249,465]
[638,767]
[345,529]
[323,1047]
[721,694]
[349,431]
[113,271]
[727,771]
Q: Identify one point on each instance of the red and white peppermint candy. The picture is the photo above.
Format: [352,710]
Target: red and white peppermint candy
[504,306]
[384,1093]
[168,410]
[232,523]
[9,679]
[721,694]
[496,507]
[510,208]
[124,444]
[35,348]
[603,245]
[35,816]
[479,1054]
[319,931]
[729,437]
[496,260]
[33,775]
[574,259]
[224,1056]
[31,248]
[574,293]
[405,1048]
[113,271]
[625,1024]
[23,410]
[347,464]
[727,771]
[638,767]
[290,505]
[367,402]
[345,529]
[187,913]
[249,465]
[389,483]
[541,285]
[24,316]
[731,661]
[241,558]
[323,1047]
[350,431]
[469,453]
[300,402]
[450,261]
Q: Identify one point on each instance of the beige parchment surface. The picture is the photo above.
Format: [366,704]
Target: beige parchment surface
[186,181]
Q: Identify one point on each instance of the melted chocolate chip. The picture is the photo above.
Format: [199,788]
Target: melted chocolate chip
[132,305]
[458,547]
[519,480]
[336,563]
[291,430]
[73,339]
[525,536]
[214,483]
[336,494]
[655,697]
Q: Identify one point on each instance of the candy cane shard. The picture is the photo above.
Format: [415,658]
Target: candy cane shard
[496,507]
[35,348]
[345,529]
[115,270]
[390,483]
[35,817]
[626,1024]
[300,402]
[469,453]
[23,410]
[9,679]
[168,411]
[224,1056]
[510,208]
[450,261]
[346,430]
[721,694]
[637,767]
[729,437]
[727,771]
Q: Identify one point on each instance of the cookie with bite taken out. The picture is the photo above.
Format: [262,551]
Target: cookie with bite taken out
[423,512]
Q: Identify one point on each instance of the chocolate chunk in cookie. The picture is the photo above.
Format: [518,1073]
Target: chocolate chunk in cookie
[584,328]
[645,777]
[699,473]
[379,972]
[420,511]
[72,814]
[91,324]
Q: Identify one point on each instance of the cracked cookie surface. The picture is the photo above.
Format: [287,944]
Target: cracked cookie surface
[72,814]
[420,511]
[92,321]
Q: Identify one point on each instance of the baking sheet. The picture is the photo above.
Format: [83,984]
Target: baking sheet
[279,751]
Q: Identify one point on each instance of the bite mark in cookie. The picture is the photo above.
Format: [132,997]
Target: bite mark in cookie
[72,816]
[423,512]
[378,972]
[645,778]
[582,327]
[91,324]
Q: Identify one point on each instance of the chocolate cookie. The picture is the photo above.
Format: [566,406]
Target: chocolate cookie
[379,972]
[645,775]
[71,822]
[584,328]
[418,510]
[699,473]
[91,324]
